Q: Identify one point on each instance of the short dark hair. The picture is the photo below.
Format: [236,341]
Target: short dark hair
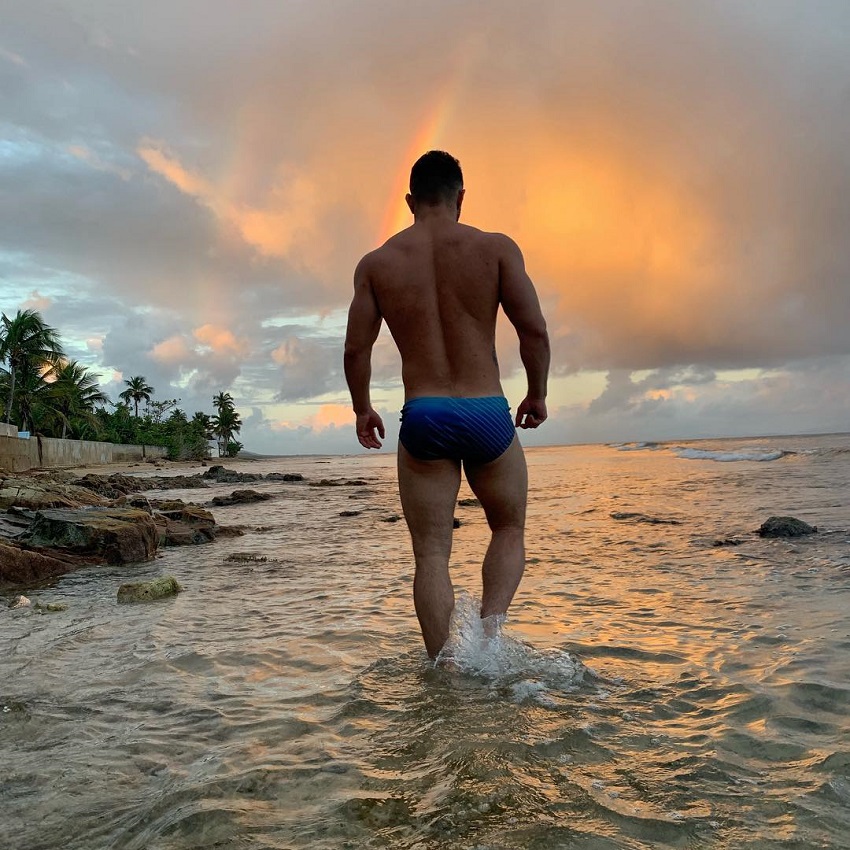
[435,178]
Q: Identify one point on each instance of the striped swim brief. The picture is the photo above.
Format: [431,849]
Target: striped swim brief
[469,429]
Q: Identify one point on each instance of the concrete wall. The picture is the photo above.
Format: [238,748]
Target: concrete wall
[18,455]
[8,430]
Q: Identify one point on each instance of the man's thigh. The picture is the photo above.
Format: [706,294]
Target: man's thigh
[428,490]
[502,487]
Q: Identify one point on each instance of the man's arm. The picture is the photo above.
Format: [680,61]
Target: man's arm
[522,307]
[364,323]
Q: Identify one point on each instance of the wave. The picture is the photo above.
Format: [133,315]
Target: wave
[634,447]
[761,455]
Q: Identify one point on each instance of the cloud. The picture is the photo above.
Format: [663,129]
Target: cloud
[175,179]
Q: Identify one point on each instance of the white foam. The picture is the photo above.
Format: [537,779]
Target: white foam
[483,648]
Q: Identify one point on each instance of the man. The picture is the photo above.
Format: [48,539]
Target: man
[438,285]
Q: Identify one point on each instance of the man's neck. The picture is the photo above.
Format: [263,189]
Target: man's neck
[438,214]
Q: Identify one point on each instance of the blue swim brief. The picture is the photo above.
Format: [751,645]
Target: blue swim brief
[468,429]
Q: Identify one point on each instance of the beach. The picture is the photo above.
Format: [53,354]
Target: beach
[667,678]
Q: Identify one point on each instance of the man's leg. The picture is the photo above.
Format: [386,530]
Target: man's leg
[502,488]
[428,490]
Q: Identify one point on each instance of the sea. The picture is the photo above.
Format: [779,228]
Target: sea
[666,678]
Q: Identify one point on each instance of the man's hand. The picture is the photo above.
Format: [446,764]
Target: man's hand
[367,424]
[531,412]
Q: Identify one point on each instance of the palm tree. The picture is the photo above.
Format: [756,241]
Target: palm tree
[137,390]
[73,396]
[223,401]
[203,422]
[225,425]
[27,344]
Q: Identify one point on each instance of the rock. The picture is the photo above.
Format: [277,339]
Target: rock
[147,591]
[49,607]
[221,475]
[284,476]
[230,531]
[727,541]
[180,524]
[350,513]
[102,535]
[21,566]
[468,503]
[136,500]
[785,526]
[456,523]
[240,497]
[246,558]
[113,486]
[349,482]
[391,518]
[187,512]
[638,517]
[20,602]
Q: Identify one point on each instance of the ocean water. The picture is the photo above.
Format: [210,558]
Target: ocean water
[651,688]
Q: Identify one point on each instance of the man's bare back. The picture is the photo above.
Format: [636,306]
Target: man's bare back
[437,287]
[439,284]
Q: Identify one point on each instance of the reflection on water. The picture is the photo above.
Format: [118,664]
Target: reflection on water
[651,689]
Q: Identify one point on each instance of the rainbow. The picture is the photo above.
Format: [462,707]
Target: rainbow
[430,134]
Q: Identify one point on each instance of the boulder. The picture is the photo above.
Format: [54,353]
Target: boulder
[240,497]
[101,535]
[785,526]
[284,476]
[147,591]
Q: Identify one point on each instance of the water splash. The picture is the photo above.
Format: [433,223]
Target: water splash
[482,647]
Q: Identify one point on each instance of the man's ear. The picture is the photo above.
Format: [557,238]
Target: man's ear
[409,200]
[460,195]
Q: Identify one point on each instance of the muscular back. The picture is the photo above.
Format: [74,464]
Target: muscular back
[437,286]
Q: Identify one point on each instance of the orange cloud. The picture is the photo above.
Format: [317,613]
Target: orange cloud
[287,217]
[327,416]
[37,301]
[172,350]
[220,340]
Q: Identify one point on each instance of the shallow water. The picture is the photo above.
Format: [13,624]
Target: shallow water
[650,689]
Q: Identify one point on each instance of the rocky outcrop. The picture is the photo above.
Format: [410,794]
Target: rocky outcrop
[101,535]
[220,475]
[117,485]
[785,526]
[37,493]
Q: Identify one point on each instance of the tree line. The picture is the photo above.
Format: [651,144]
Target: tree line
[44,392]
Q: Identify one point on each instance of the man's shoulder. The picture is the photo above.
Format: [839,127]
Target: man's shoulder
[495,241]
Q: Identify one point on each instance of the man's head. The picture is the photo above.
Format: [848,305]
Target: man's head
[435,180]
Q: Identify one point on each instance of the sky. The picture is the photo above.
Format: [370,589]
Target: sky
[186,188]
